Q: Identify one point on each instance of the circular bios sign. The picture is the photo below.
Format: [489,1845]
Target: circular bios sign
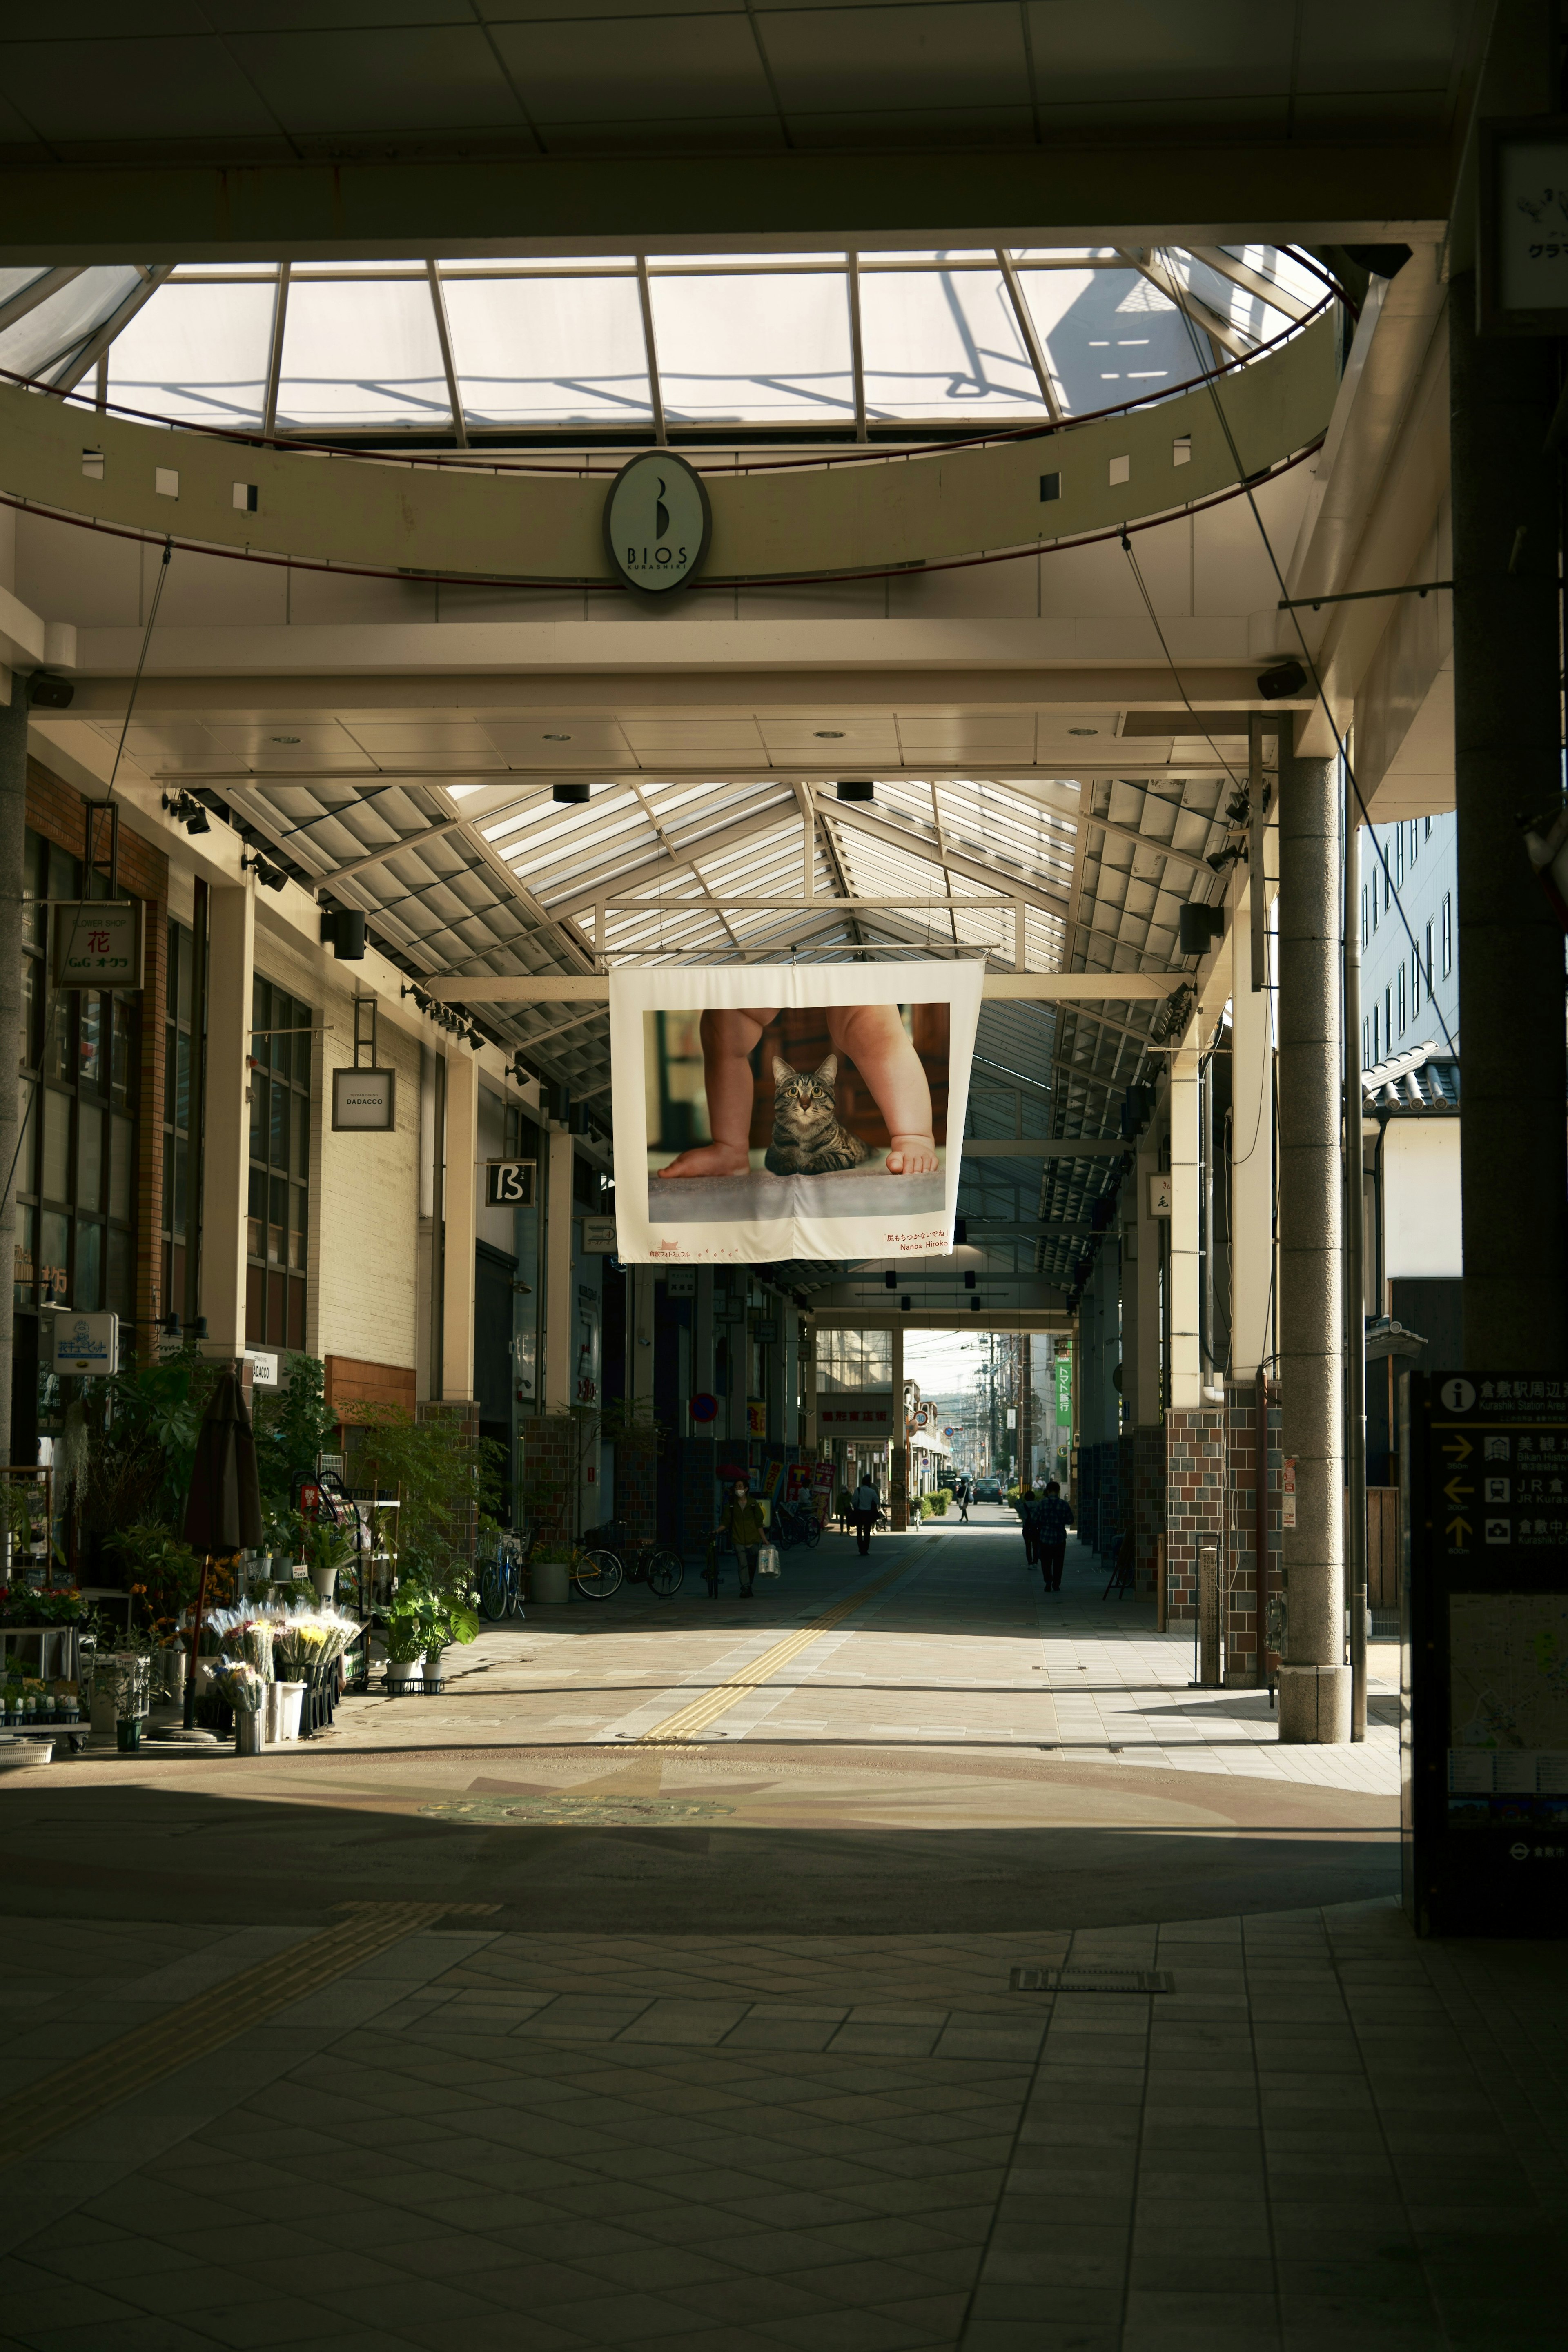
[704,1407]
[656,523]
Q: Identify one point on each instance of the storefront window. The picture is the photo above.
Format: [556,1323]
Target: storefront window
[76,1168]
[277,1215]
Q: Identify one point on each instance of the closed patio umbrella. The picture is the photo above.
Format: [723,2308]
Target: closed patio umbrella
[224,1512]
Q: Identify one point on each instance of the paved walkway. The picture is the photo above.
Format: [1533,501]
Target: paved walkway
[656,1987]
[957,1644]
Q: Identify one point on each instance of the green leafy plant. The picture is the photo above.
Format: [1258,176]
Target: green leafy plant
[294,1428]
[161,1570]
[415,1625]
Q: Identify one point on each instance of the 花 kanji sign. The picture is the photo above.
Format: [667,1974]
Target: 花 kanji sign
[97,943]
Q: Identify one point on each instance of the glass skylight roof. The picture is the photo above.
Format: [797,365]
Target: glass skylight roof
[576,347]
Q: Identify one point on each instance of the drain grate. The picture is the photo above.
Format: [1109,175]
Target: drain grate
[1092,1981]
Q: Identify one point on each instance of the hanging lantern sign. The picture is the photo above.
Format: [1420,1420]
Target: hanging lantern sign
[658,524]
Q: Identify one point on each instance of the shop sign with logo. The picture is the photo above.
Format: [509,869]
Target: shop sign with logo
[680,1282]
[509,1183]
[263,1370]
[97,943]
[756,1418]
[598,1236]
[658,524]
[86,1345]
[851,1414]
[365,1101]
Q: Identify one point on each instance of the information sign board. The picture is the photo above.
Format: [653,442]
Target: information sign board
[1485,1728]
[86,1345]
[509,1183]
[97,943]
[365,1101]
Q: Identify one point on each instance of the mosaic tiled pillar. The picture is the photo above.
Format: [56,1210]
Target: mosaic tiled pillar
[1211,1476]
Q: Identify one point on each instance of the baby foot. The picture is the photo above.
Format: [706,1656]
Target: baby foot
[912,1155]
[710,1159]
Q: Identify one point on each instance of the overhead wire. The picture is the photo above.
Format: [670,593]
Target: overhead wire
[1391,889]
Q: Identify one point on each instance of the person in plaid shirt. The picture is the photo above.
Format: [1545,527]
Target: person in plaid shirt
[1053,1518]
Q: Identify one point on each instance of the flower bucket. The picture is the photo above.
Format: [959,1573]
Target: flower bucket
[551,1583]
[325,1581]
[287,1698]
[128,1735]
[247,1731]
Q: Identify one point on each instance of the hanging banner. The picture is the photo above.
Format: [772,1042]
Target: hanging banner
[812,1124]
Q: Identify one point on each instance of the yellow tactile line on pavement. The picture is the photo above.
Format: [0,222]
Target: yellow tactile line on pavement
[56,2103]
[723,1696]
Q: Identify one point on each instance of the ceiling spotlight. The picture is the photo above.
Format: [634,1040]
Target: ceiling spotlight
[830,734]
[570,796]
[556,739]
[855,788]
[1083,731]
[271,878]
[474,1039]
[187,812]
[285,738]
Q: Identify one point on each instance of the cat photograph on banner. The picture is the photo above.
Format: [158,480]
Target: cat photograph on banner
[789,1110]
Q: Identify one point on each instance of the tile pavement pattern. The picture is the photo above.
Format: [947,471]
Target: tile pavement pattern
[1327,2136]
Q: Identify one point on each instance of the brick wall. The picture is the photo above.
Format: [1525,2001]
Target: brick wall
[57,811]
[1211,1473]
[548,1447]
[1141,1473]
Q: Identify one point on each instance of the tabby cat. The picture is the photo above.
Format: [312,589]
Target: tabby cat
[808,1139]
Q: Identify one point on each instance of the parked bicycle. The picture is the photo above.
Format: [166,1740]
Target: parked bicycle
[596,1573]
[642,1560]
[795,1523]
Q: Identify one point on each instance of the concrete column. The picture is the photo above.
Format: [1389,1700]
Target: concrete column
[559,1319]
[1186,1372]
[1314,1680]
[702,1343]
[899,1451]
[1506,732]
[226,1201]
[13,853]
[639,1338]
[1143,1238]
[808,1366]
[1252,1299]
[460,1230]
[789,1332]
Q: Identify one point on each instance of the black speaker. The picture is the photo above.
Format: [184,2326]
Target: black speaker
[1286,678]
[344,927]
[570,796]
[1197,927]
[857,788]
[46,693]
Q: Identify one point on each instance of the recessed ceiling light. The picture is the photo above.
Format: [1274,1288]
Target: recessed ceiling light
[1083,731]
[285,738]
[558,738]
[830,734]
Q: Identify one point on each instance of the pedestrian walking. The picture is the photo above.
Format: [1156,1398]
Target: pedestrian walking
[747,1530]
[961,1496]
[1053,1518]
[1029,1520]
[868,1502]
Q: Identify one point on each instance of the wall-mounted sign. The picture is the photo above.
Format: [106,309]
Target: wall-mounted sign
[1159,1193]
[756,1417]
[1523,248]
[263,1370]
[855,1413]
[365,1101]
[86,1345]
[509,1183]
[97,943]
[680,1282]
[598,1237]
[704,1408]
[767,1331]
[656,523]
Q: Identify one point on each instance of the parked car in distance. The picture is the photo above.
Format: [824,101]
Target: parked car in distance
[986,1490]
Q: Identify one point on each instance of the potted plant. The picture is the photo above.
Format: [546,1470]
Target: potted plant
[410,1630]
[458,1622]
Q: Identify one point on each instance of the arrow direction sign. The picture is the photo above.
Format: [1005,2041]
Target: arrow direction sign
[1459,1528]
[1459,1447]
[1457,1491]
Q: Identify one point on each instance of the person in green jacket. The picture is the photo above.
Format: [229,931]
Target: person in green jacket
[747,1530]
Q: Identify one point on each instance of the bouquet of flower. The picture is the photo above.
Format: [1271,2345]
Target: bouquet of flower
[308,1640]
[249,1634]
[242,1687]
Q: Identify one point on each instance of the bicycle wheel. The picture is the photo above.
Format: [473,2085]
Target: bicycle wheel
[599,1573]
[494,1589]
[813,1530]
[666,1571]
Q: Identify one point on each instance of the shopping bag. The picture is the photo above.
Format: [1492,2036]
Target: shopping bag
[767,1559]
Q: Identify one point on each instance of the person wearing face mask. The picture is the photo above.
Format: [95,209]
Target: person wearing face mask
[747,1530]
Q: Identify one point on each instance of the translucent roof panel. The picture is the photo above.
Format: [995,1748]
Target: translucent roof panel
[1108,335]
[943,342]
[555,345]
[197,351]
[754,347]
[361,354]
[61,324]
[530,351]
